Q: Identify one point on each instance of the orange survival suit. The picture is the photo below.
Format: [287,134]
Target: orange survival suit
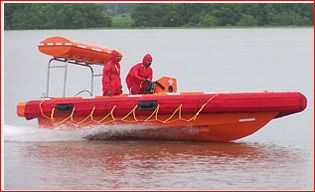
[138,74]
[111,75]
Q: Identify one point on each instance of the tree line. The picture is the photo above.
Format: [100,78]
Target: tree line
[123,15]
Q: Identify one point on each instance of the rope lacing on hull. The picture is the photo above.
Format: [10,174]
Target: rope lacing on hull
[89,119]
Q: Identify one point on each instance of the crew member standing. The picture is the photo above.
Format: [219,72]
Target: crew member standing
[111,75]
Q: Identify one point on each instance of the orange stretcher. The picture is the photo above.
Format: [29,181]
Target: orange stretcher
[62,48]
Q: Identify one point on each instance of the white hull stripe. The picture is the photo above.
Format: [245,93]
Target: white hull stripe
[247,119]
[134,95]
[172,93]
[82,46]
[95,49]
[70,44]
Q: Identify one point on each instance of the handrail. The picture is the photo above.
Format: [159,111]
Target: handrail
[83,92]
[65,67]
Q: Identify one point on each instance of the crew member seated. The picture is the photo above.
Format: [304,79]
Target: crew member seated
[139,77]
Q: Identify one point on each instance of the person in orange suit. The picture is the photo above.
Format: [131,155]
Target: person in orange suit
[111,75]
[139,74]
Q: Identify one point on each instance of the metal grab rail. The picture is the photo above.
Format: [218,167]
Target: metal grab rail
[83,92]
[65,67]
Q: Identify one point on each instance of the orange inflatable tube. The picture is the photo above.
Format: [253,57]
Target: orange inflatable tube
[60,47]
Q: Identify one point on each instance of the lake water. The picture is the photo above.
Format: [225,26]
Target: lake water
[279,156]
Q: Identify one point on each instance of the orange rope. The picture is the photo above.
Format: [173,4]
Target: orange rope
[154,112]
[65,119]
[105,117]
[90,117]
[41,111]
[133,111]
[194,117]
[167,120]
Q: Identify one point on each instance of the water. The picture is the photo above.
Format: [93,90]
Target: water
[279,156]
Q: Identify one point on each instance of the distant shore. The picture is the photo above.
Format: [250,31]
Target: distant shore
[171,28]
[156,15]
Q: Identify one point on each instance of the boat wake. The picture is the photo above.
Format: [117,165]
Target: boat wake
[34,134]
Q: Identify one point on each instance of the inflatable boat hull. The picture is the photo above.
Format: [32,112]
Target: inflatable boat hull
[185,116]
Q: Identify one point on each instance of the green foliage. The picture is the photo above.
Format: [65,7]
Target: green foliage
[208,20]
[188,14]
[117,9]
[289,19]
[155,15]
[227,16]
[126,15]
[247,20]
[146,15]
[55,16]
[210,15]
[122,21]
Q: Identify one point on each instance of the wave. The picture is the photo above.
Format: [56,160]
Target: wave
[14,133]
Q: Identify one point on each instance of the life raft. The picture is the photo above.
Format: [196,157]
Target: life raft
[60,47]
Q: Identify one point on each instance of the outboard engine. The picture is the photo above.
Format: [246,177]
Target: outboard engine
[165,85]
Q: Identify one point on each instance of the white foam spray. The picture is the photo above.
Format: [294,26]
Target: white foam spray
[35,134]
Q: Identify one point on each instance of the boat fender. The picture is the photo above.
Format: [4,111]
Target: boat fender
[64,107]
[146,105]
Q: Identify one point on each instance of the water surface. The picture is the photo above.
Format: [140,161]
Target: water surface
[279,156]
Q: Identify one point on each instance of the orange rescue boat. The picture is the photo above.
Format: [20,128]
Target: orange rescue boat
[164,114]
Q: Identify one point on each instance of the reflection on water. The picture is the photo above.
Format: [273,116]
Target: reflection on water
[152,165]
